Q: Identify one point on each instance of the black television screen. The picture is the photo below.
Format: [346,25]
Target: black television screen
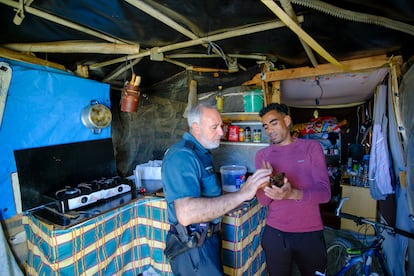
[44,170]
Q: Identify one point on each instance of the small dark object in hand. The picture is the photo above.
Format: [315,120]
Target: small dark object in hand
[277,179]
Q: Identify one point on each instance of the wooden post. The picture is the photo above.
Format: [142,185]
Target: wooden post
[265,88]
[276,92]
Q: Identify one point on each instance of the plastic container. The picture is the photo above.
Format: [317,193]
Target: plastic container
[232,177]
[253,101]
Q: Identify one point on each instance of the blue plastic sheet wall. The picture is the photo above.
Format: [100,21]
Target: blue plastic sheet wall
[43,107]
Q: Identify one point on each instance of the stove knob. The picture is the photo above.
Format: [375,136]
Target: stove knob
[84,199]
[120,189]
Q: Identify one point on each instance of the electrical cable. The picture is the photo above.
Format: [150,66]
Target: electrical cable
[220,51]
[317,100]
[357,136]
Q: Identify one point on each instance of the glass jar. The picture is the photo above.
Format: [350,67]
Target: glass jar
[241,135]
[257,136]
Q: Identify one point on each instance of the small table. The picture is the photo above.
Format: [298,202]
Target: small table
[130,240]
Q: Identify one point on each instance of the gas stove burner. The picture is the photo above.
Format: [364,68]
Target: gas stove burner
[112,182]
[89,187]
[67,192]
[87,193]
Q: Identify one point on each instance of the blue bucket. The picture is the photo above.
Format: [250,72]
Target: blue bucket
[232,177]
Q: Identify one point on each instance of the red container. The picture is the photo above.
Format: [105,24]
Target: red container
[225,131]
[233,133]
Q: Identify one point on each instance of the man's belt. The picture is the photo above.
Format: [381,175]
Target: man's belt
[195,234]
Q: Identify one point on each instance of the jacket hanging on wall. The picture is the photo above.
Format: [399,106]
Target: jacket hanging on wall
[379,164]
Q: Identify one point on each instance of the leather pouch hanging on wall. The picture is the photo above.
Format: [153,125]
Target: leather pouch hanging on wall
[130,98]
[130,95]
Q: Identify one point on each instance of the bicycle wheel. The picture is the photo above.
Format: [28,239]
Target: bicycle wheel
[338,257]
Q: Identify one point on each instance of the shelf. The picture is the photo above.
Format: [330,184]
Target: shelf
[246,123]
[243,143]
[241,116]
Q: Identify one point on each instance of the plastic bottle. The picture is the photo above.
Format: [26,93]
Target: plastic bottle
[365,170]
[220,100]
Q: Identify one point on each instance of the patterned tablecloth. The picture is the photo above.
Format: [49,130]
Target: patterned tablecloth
[130,240]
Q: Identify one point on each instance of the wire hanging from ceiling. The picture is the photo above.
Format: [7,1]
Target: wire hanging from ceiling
[318,83]
[217,48]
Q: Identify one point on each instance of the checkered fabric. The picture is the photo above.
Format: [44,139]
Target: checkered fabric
[242,252]
[130,240]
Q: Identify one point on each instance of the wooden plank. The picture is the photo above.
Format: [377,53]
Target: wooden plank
[5,78]
[276,92]
[30,59]
[16,192]
[353,65]
[265,88]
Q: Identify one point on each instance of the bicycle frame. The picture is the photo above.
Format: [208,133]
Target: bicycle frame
[364,256]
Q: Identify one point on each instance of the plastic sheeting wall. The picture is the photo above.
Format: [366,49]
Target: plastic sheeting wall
[407,114]
[399,250]
[43,107]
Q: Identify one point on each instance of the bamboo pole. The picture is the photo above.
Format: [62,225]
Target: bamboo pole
[161,17]
[287,6]
[247,56]
[301,33]
[74,47]
[30,59]
[63,22]
[233,33]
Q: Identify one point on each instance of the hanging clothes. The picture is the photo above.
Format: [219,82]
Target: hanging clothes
[379,164]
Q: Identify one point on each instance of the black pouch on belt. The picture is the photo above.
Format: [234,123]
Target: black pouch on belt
[174,246]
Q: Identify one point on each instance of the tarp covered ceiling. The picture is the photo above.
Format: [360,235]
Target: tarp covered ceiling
[158,39]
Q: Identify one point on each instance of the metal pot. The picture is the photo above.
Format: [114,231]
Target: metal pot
[96,116]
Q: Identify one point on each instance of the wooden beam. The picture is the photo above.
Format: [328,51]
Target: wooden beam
[353,65]
[74,47]
[28,58]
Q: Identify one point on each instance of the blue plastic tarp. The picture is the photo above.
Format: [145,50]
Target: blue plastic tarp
[43,108]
